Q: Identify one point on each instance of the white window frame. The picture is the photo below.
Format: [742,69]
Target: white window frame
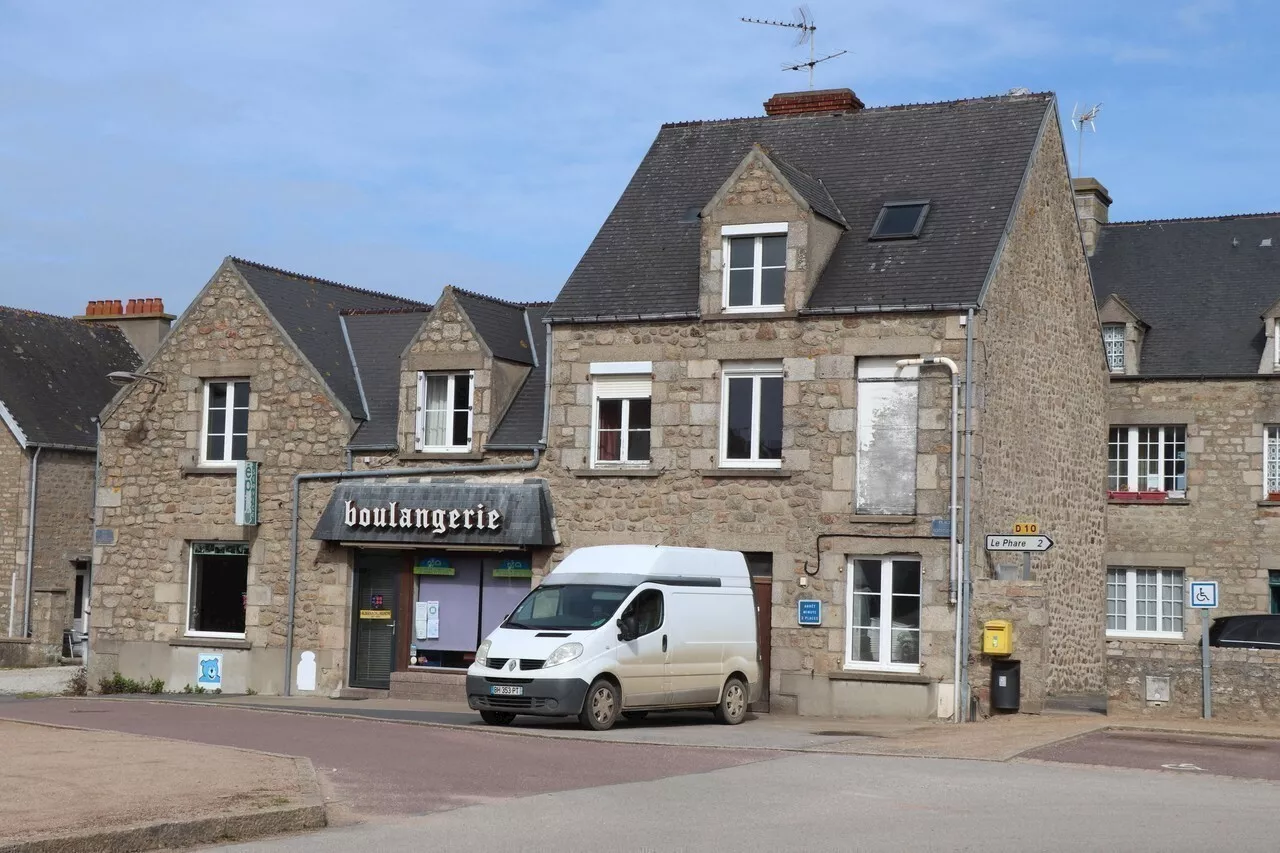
[885,637]
[191,568]
[755,370]
[420,428]
[603,391]
[1162,597]
[226,462]
[757,230]
[1132,482]
[1270,459]
[1113,345]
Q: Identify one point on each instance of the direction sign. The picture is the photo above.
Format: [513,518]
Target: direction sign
[1012,542]
[1204,594]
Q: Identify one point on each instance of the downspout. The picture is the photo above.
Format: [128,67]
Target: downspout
[93,526]
[966,574]
[546,391]
[31,542]
[298,479]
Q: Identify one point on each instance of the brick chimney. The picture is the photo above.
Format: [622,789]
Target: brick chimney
[143,321]
[813,102]
[1093,203]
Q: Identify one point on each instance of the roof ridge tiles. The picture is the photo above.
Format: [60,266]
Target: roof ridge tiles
[981,99]
[17,310]
[1224,217]
[326,281]
[486,297]
[361,312]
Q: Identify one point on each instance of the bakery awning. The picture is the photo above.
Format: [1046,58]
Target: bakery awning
[424,514]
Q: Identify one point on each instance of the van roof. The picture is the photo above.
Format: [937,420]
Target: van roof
[655,560]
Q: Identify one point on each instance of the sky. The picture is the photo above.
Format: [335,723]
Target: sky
[403,146]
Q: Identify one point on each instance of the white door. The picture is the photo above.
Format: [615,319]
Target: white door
[642,659]
[80,605]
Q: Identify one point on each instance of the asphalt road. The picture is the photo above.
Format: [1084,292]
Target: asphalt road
[1247,758]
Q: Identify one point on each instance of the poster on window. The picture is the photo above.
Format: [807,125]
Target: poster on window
[209,671]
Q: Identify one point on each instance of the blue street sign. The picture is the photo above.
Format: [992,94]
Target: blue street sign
[809,611]
[1204,594]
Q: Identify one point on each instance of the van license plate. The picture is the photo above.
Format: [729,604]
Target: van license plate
[506,690]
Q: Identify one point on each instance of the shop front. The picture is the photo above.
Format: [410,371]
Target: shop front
[437,566]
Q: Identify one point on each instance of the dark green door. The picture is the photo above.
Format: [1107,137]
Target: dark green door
[373,642]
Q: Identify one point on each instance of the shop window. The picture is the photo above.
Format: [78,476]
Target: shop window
[621,420]
[225,427]
[751,415]
[883,593]
[1144,602]
[445,403]
[217,589]
[1147,460]
[888,427]
[459,599]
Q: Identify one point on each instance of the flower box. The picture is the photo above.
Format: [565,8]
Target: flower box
[1152,496]
[1122,496]
[1273,496]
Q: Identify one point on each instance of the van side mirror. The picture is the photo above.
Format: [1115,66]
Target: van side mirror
[626,629]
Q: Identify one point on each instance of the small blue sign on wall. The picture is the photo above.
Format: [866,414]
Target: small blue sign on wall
[809,611]
[209,671]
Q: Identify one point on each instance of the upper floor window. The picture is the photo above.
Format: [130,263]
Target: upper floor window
[1144,602]
[751,415]
[1147,459]
[888,431]
[900,220]
[1273,582]
[1113,342]
[621,422]
[1271,463]
[444,411]
[756,266]
[226,422]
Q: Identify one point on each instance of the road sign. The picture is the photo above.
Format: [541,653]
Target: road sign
[1026,527]
[1204,594]
[1014,542]
[809,611]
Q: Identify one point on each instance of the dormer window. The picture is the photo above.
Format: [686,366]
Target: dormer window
[900,220]
[445,412]
[1113,342]
[756,266]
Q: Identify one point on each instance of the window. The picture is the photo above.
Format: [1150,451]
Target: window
[218,587]
[226,421]
[645,611]
[1271,462]
[621,420]
[1144,602]
[888,402]
[1273,580]
[900,220]
[757,266]
[444,411]
[880,589]
[751,416]
[1113,342]
[1147,459]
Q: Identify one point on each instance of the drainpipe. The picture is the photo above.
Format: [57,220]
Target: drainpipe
[966,574]
[546,390]
[953,555]
[298,479]
[31,542]
[93,526]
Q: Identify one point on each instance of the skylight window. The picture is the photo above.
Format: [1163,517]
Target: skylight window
[900,220]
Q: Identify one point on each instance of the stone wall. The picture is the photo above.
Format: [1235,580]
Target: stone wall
[1041,439]
[15,480]
[1245,682]
[64,533]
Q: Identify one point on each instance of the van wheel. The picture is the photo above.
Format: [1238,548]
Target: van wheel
[733,704]
[497,718]
[635,716]
[600,708]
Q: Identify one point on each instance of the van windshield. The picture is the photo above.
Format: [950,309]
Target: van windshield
[570,607]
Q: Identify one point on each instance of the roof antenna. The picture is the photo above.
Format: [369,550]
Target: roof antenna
[804,23]
[1079,120]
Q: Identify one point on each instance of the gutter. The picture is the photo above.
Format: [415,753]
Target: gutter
[888,309]
[31,541]
[1193,377]
[298,480]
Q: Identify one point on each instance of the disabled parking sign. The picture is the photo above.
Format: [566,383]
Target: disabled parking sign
[1204,594]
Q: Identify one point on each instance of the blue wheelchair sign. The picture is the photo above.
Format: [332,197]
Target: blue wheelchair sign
[1204,594]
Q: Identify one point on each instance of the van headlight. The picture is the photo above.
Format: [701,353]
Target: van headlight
[482,653]
[564,654]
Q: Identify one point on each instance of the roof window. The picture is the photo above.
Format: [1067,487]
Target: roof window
[900,220]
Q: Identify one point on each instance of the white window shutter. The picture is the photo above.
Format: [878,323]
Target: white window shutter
[624,387]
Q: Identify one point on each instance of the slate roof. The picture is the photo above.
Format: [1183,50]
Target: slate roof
[967,158]
[522,423]
[501,325]
[1202,295]
[53,375]
[308,309]
[810,189]
[377,340]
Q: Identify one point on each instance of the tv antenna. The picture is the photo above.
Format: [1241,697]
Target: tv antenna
[804,23]
[1081,120]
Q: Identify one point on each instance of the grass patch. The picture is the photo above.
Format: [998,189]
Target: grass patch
[118,683]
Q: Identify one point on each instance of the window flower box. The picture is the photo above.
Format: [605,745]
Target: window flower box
[1152,496]
[1122,496]
[1273,496]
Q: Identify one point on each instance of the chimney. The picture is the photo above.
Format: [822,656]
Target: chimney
[143,321]
[1092,204]
[813,102]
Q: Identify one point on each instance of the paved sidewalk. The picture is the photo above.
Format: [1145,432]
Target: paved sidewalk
[45,680]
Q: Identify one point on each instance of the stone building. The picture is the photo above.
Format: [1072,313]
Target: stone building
[53,382]
[737,363]
[1189,310]
[317,487]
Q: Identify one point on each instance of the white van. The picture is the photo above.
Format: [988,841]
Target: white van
[624,630]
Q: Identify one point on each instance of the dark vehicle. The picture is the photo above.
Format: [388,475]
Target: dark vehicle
[1256,631]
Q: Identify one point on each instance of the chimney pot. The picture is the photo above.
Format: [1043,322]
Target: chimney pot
[813,102]
[132,307]
[160,305]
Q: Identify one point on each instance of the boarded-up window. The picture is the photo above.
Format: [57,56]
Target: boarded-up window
[888,404]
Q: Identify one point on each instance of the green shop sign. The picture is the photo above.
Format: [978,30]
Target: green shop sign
[433,566]
[517,567]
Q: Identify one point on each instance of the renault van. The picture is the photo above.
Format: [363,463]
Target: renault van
[622,630]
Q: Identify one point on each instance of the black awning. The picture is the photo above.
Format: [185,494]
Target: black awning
[439,513]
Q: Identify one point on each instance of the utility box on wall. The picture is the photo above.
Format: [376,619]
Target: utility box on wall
[997,637]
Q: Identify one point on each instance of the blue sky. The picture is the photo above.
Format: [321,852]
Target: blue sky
[402,146]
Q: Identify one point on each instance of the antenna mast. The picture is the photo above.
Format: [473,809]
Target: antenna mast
[805,24]
[1081,120]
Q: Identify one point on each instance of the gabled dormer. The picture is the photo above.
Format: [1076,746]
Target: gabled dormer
[767,234]
[1122,335]
[1270,362]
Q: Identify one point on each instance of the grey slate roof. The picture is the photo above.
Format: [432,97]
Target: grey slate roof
[307,309]
[522,423]
[966,157]
[810,188]
[1202,296]
[377,340]
[501,325]
[53,374]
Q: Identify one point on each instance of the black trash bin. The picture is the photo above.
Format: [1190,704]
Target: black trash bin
[1006,684]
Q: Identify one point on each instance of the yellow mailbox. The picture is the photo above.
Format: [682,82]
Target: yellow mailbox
[997,637]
